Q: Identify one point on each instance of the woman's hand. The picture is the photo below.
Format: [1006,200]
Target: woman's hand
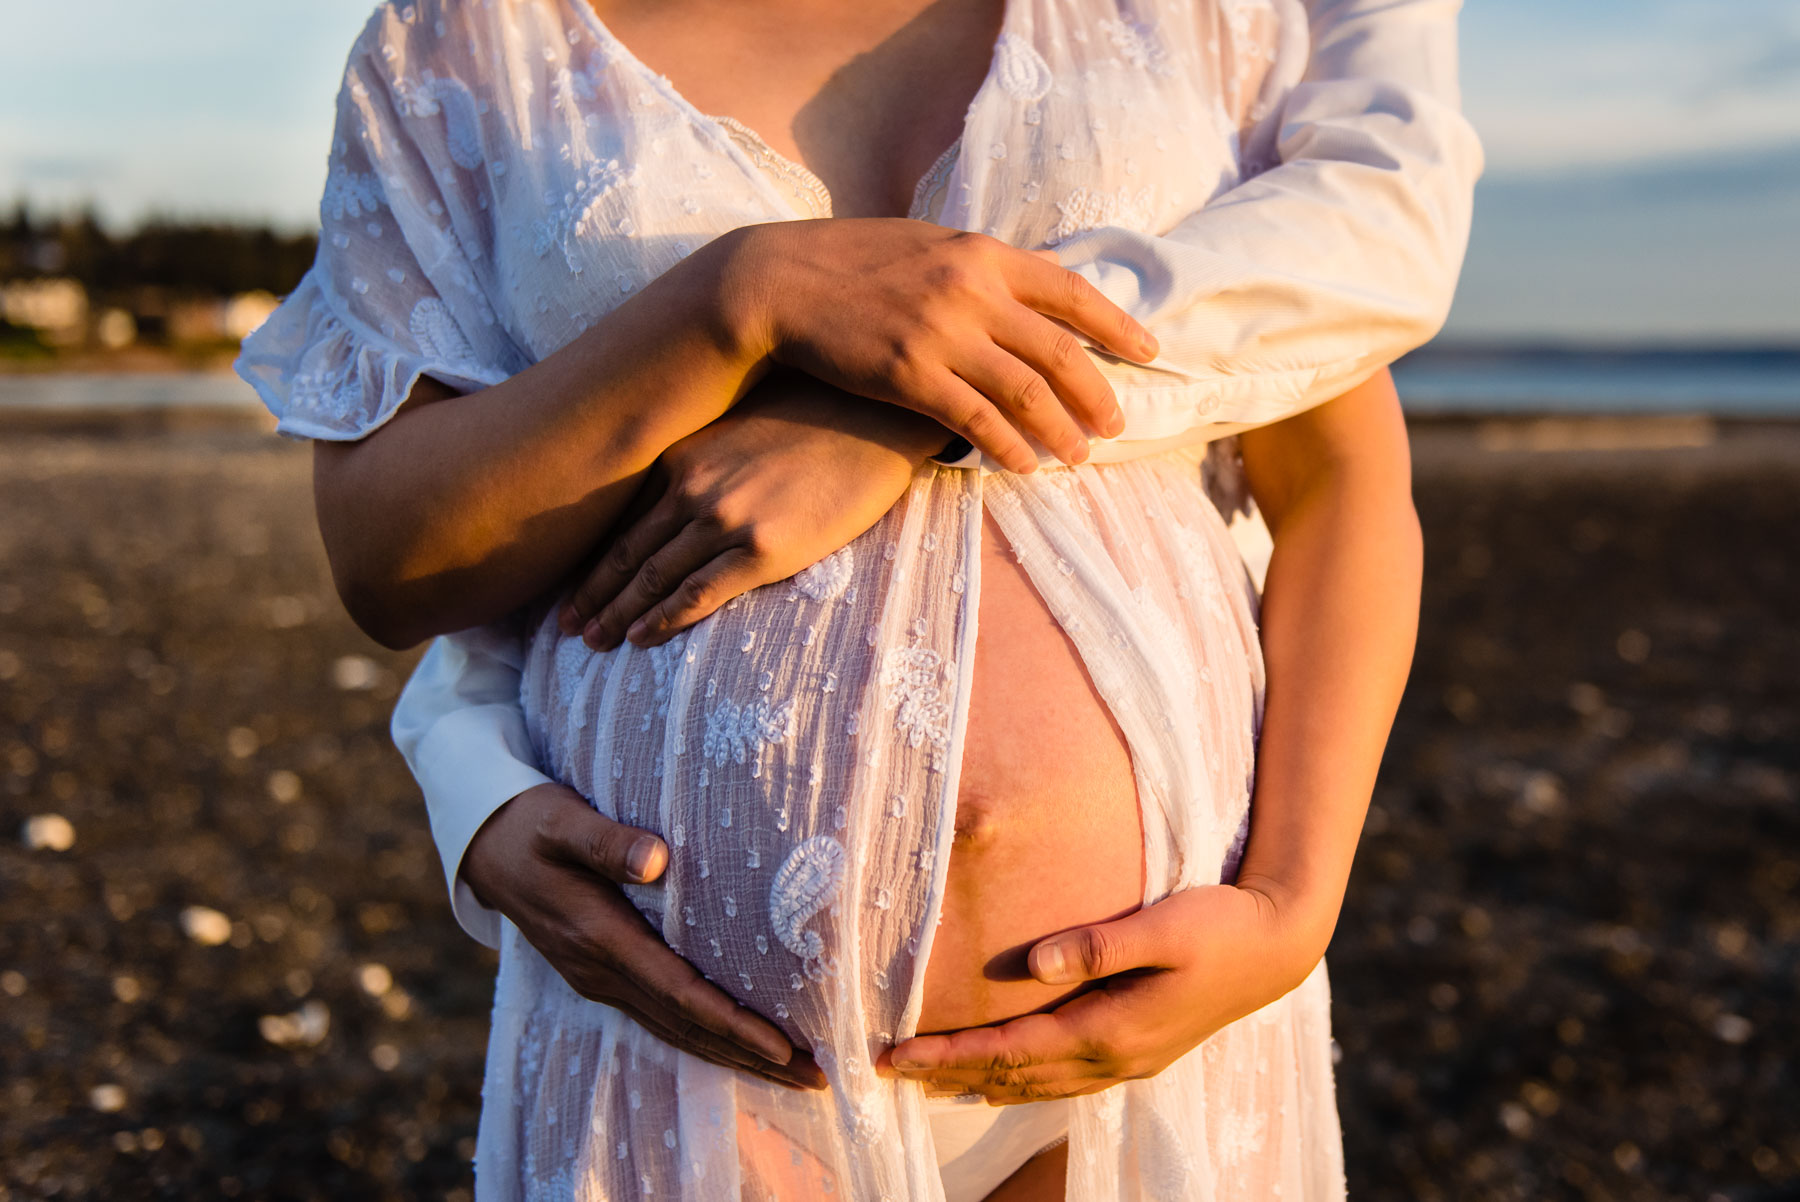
[1166,978]
[957,326]
[548,862]
[794,472]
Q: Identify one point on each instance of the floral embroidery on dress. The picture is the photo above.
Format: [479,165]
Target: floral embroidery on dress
[804,885]
[438,335]
[462,119]
[1088,208]
[1168,1168]
[569,212]
[326,380]
[1240,1136]
[911,678]
[350,194]
[572,659]
[1140,44]
[739,733]
[1020,70]
[826,579]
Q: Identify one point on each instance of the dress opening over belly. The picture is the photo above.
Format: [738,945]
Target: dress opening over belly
[800,751]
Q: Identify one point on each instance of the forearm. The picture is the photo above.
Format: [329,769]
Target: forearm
[462,508]
[1339,620]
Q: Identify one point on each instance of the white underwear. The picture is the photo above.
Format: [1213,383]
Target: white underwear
[979,1146]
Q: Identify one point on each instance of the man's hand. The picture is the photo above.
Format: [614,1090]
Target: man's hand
[549,863]
[793,473]
[1166,977]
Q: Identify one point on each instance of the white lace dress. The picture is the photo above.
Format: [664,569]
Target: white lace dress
[505,172]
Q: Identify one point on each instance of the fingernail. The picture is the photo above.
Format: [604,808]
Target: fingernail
[590,634]
[1149,348]
[567,619]
[638,860]
[907,1066]
[637,631]
[1079,452]
[1115,425]
[1052,964]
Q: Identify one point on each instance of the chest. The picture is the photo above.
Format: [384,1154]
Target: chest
[865,96]
[621,135]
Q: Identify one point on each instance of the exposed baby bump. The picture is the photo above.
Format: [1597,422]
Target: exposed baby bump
[1048,834]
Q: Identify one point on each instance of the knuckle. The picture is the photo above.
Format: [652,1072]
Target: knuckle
[1095,947]
[1029,395]
[971,243]
[982,423]
[547,829]
[1012,1061]
[600,849]
[652,577]
[620,556]
[759,540]
[1076,291]
[1064,351]
[694,593]
[905,352]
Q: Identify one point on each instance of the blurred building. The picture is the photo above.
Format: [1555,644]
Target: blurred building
[56,308]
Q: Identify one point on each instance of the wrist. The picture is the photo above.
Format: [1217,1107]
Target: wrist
[742,290]
[1302,917]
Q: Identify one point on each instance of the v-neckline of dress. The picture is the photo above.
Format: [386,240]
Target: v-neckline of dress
[731,130]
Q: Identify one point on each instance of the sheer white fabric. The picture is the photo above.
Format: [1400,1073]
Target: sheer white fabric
[506,172]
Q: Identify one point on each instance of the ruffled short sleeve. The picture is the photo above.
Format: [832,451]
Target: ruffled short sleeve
[402,284]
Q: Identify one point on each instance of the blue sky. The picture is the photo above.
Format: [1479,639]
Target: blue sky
[1644,155]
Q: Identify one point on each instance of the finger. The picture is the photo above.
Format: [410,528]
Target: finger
[688,1000]
[1103,950]
[1055,291]
[1054,1093]
[685,547]
[948,398]
[1033,1039]
[649,522]
[1027,399]
[575,834]
[705,589]
[1063,362]
[991,1081]
[798,1073]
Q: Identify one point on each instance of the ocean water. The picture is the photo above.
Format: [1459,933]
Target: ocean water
[1433,381]
[1716,383]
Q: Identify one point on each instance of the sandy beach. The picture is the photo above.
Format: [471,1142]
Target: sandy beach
[1569,965]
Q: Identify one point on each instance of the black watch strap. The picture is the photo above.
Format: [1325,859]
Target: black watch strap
[957,448]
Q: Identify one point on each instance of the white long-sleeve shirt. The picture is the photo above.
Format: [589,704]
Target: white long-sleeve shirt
[1281,193]
[1277,293]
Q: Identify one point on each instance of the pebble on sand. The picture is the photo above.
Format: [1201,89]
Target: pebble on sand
[48,832]
[284,786]
[356,673]
[304,1028]
[205,925]
[375,979]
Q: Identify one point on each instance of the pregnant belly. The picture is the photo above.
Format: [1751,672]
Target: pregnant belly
[1048,833]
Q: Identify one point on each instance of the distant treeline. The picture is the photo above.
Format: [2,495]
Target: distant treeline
[182,258]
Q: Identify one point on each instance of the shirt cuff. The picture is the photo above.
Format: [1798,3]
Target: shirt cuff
[455,762]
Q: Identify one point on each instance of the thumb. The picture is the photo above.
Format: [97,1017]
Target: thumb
[618,852]
[1089,953]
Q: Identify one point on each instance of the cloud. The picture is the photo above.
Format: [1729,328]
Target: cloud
[1688,247]
[1559,84]
[61,170]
